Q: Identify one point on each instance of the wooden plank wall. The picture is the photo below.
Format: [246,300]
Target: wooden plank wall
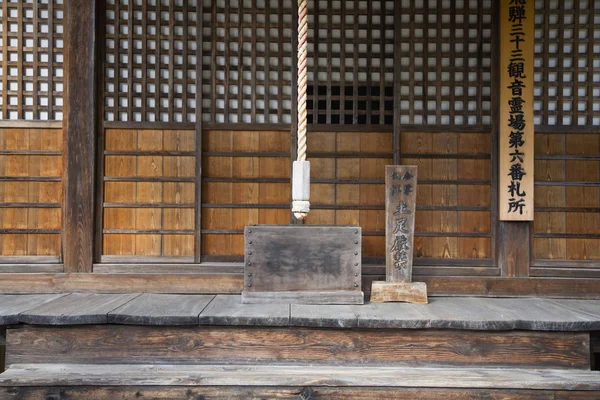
[454,201]
[246,180]
[566,229]
[149,195]
[31,194]
[347,183]
[567,222]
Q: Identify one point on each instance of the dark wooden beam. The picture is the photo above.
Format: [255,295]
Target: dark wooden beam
[80,135]
[514,248]
[397,83]
[227,282]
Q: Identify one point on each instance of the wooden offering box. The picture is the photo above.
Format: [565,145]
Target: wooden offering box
[303,264]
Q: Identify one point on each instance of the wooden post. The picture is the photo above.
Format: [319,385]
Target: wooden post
[400,208]
[80,135]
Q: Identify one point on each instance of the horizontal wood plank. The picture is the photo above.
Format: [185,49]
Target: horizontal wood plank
[160,309]
[232,375]
[114,344]
[285,393]
[13,305]
[76,309]
[229,310]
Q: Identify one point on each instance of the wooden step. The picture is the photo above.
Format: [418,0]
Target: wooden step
[115,344]
[29,375]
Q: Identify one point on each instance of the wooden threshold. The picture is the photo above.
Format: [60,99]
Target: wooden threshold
[210,283]
[262,375]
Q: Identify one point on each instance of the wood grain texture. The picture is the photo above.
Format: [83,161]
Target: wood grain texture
[160,309]
[80,134]
[124,375]
[206,344]
[507,112]
[144,217]
[122,283]
[288,258]
[514,248]
[75,309]
[229,310]
[410,292]
[285,393]
[13,305]
[347,191]
[400,208]
[246,180]
[30,207]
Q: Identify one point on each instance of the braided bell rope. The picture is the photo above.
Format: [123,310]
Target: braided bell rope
[302,77]
[302,86]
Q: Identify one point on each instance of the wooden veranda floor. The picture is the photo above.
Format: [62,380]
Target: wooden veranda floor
[160,346]
[467,313]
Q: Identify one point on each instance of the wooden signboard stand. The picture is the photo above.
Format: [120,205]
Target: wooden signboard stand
[400,201]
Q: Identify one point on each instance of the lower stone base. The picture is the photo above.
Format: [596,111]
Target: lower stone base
[410,292]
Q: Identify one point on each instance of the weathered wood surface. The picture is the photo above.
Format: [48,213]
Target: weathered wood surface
[305,297]
[13,305]
[284,393]
[338,316]
[205,344]
[243,375]
[80,135]
[229,310]
[382,315]
[288,393]
[76,308]
[400,208]
[287,258]
[450,312]
[226,282]
[122,283]
[409,292]
[543,314]
[161,309]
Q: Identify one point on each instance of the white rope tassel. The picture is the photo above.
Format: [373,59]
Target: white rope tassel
[301,169]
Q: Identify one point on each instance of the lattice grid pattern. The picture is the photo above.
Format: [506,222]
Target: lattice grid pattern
[150,61]
[31,60]
[351,62]
[247,61]
[567,63]
[445,65]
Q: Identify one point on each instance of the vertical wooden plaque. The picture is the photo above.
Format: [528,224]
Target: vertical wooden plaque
[400,208]
[516,110]
[400,201]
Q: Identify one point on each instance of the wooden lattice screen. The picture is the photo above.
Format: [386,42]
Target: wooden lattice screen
[247,61]
[445,127]
[31,60]
[445,62]
[31,167]
[150,60]
[351,62]
[567,169]
[567,63]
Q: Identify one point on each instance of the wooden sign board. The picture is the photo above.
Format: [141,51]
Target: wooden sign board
[516,150]
[305,264]
[400,209]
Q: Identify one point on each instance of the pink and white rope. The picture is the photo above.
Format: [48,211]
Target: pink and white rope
[302,77]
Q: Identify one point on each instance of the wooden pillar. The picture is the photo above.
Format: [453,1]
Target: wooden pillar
[397,84]
[80,135]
